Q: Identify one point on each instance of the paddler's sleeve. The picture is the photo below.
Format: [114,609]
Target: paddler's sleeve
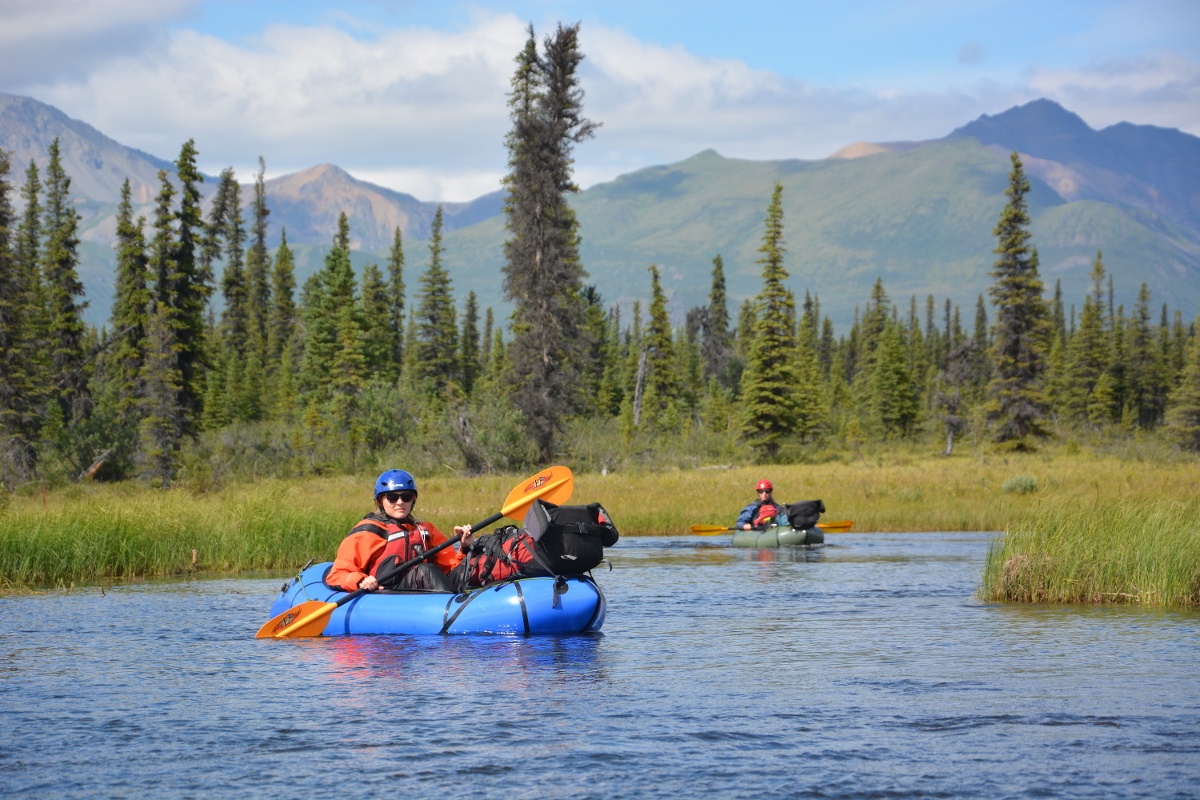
[355,557]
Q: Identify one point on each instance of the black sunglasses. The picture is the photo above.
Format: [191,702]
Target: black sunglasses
[396,497]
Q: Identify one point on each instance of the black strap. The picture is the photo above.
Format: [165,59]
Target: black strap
[371,527]
[449,620]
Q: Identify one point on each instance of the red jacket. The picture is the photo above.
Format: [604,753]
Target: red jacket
[360,550]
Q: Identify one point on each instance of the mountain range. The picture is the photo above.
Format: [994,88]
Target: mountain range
[919,215]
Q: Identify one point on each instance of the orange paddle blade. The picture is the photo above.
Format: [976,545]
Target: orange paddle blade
[837,526]
[710,530]
[553,484]
[289,620]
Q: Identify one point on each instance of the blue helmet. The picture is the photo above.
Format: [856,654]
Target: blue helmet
[394,480]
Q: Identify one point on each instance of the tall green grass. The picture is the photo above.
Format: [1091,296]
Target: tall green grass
[92,537]
[1132,549]
[91,533]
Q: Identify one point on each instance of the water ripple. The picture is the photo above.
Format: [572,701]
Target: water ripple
[865,669]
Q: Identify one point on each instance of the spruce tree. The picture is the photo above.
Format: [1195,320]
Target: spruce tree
[1058,317]
[893,394]
[609,391]
[866,342]
[235,315]
[258,262]
[377,335]
[1020,334]
[348,374]
[933,338]
[163,417]
[661,377]
[543,275]
[826,347]
[396,288]
[879,310]
[131,306]
[162,245]
[811,405]
[282,317]
[17,378]
[328,295]
[770,408]
[469,343]
[715,333]
[28,255]
[747,319]
[597,335]
[485,349]
[217,394]
[1183,409]
[981,366]
[1087,357]
[188,288]
[689,358]
[1146,396]
[24,357]
[437,324]
[951,388]
[60,261]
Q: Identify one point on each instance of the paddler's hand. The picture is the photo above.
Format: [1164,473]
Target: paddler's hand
[746,527]
[465,532]
[369,583]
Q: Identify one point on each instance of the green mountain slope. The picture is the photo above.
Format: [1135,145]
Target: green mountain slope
[920,217]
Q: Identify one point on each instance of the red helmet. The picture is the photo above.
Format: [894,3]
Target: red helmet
[764,486]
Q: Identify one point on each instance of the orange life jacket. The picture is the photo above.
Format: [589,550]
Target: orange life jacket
[405,541]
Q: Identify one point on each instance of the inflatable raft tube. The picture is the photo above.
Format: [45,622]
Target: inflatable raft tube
[781,536]
[525,607]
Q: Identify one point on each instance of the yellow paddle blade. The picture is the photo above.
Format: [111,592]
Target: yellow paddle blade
[709,530]
[553,484]
[837,526]
[284,625]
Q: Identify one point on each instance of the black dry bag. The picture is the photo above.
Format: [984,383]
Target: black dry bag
[805,514]
[570,540]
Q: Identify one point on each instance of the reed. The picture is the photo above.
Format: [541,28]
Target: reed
[1133,549]
[92,533]
[894,492]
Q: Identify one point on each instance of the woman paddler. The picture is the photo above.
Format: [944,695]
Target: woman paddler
[391,535]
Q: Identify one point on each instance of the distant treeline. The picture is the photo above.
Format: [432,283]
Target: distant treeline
[350,373]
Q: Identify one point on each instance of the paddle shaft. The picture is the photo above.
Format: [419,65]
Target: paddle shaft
[387,573]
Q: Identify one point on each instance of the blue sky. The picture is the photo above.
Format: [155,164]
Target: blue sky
[411,93]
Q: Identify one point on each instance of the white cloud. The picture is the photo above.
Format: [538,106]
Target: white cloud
[69,38]
[424,111]
[1164,88]
[405,100]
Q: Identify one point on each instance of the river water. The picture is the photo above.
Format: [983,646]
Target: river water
[863,669]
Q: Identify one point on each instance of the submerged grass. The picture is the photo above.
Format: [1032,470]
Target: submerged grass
[1141,550]
[1088,518]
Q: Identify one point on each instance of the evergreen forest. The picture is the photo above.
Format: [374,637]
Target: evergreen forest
[216,366]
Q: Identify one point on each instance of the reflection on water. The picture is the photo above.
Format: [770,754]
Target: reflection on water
[863,668]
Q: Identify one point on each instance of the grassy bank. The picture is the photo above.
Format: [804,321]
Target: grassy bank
[95,533]
[92,533]
[1143,550]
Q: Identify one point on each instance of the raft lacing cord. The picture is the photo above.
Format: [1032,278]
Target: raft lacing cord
[449,620]
[299,574]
